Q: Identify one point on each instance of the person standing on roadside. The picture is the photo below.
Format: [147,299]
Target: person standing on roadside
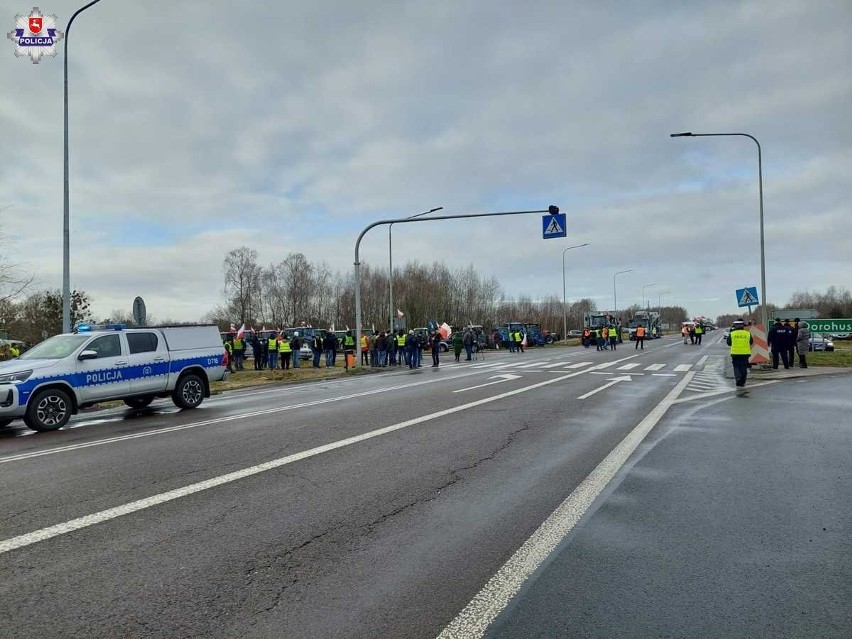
[382,349]
[778,340]
[348,349]
[740,341]
[295,347]
[284,352]
[803,343]
[613,336]
[699,332]
[411,350]
[330,346]
[316,348]
[640,338]
[467,341]
[792,340]
[435,345]
[458,344]
[272,351]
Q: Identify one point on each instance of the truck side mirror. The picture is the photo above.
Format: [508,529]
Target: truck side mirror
[87,355]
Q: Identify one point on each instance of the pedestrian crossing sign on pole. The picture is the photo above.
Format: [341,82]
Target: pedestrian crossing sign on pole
[747,296]
[553,226]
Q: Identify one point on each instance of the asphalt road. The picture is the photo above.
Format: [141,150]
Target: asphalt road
[373,506]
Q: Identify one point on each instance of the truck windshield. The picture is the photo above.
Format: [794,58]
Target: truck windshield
[56,347]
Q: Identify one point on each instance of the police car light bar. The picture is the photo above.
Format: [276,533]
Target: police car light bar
[88,328]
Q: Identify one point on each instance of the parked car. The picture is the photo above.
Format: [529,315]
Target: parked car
[841,336]
[575,333]
[820,343]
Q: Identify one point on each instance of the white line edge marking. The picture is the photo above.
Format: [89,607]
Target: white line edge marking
[488,603]
[27,539]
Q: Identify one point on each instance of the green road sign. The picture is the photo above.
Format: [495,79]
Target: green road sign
[829,325]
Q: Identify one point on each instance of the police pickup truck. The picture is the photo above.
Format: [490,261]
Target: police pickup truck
[56,378]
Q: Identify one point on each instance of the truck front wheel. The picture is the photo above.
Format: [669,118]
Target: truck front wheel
[50,409]
[189,392]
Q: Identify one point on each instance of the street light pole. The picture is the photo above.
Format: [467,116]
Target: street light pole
[66,208]
[564,311]
[390,261]
[660,303]
[551,210]
[614,296]
[643,294]
[690,134]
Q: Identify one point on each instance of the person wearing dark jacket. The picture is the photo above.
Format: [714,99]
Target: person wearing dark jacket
[382,349]
[778,340]
[792,340]
[329,343]
[411,350]
[435,345]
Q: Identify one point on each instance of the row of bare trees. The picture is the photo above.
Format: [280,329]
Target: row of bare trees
[296,290]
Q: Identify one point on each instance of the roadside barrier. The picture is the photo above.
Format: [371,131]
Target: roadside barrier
[760,348]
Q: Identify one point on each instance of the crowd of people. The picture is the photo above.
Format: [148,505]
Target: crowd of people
[604,338]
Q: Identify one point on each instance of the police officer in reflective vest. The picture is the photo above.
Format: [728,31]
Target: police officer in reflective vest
[740,341]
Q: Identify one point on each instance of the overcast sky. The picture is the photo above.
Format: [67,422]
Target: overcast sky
[198,127]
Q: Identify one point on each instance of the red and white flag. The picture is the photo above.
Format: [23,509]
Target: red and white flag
[399,313]
[241,332]
[445,330]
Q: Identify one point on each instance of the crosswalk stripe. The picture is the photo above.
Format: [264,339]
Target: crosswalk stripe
[655,367]
[682,368]
[627,367]
[530,365]
[607,365]
[554,365]
[579,365]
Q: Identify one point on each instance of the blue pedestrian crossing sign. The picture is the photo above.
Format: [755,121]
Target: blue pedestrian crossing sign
[747,296]
[553,226]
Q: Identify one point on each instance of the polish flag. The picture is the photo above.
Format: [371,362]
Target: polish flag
[241,332]
[445,330]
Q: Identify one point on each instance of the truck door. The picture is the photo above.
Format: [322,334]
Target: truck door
[148,361]
[105,376]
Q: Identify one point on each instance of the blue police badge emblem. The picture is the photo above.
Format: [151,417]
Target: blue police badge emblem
[35,35]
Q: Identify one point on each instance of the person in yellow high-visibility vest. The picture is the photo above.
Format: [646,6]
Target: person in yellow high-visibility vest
[740,341]
[284,352]
[364,349]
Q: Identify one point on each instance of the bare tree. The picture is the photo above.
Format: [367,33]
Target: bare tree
[242,283]
[13,279]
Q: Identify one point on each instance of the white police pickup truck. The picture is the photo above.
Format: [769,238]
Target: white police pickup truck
[54,379]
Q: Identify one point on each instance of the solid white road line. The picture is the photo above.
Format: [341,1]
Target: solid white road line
[28,539]
[682,368]
[702,360]
[475,618]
